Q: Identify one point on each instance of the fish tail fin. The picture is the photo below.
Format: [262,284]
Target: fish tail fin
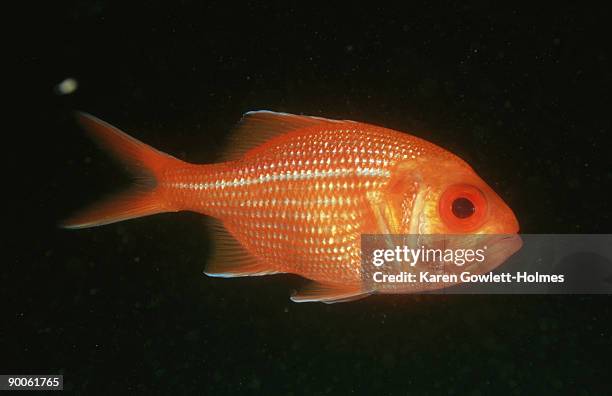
[143,161]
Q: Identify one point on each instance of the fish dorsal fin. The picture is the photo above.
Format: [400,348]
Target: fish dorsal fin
[329,293]
[258,127]
[230,259]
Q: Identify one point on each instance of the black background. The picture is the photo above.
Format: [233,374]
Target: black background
[521,94]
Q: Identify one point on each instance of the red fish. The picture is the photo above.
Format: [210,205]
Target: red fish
[295,193]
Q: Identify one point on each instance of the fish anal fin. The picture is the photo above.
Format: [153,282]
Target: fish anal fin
[258,127]
[329,293]
[230,259]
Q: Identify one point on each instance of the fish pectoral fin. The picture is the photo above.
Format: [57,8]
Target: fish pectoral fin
[230,258]
[385,217]
[393,209]
[329,293]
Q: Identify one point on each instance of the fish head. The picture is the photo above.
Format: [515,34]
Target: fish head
[448,199]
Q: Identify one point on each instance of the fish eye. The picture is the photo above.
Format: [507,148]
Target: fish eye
[463,207]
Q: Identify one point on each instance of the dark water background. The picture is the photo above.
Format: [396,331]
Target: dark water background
[521,94]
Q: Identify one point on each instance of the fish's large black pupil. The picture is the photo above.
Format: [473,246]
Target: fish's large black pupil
[463,208]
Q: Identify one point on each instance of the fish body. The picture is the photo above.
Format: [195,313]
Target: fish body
[295,193]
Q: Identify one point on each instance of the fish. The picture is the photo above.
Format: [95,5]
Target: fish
[295,193]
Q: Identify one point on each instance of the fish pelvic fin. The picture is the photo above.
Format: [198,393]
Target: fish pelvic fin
[329,293]
[141,160]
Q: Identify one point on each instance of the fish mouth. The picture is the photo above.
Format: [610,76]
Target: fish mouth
[511,243]
[502,247]
[498,249]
